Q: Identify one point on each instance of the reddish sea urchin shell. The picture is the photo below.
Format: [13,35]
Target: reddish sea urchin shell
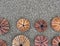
[4,25]
[40,25]
[56,41]
[2,43]
[41,41]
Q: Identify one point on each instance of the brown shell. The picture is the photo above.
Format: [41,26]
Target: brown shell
[23,24]
[21,40]
[4,25]
[40,25]
[56,41]
[2,43]
[55,23]
[41,41]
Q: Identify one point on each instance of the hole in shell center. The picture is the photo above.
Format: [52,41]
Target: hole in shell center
[0,26]
[23,25]
[41,26]
[21,45]
[59,44]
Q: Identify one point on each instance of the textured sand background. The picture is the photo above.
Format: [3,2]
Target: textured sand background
[32,10]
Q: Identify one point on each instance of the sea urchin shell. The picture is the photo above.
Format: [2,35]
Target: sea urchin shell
[21,40]
[23,24]
[4,25]
[41,41]
[55,23]
[40,25]
[56,41]
[2,43]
